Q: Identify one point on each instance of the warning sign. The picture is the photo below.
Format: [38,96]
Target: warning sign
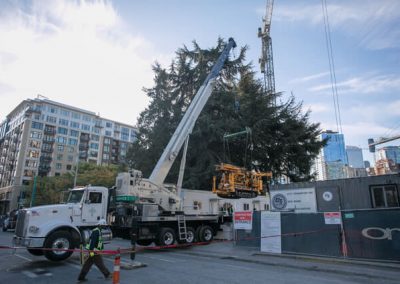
[332,218]
[243,220]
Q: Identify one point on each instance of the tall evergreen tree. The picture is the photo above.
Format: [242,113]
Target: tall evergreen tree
[283,139]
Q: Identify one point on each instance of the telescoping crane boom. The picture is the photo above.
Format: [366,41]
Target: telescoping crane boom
[188,121]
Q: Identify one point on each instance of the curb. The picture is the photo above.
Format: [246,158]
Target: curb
[355,261]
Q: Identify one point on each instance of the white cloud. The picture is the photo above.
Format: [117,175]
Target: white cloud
[317,108]
[363,85]
[310,78]
[75,52]
[374,23]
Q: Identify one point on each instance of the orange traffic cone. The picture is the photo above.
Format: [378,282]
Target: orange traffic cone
[117,263]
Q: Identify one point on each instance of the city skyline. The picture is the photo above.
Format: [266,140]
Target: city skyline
[98,55]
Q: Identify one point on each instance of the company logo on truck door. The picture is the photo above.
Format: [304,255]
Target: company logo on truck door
[279,201]
[376,233]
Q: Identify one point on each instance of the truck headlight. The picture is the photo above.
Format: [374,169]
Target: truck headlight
[33,229]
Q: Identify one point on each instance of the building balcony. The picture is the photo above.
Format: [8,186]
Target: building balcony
[48,131]
[47,150]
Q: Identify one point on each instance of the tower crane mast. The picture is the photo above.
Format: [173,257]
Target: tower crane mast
[266,60]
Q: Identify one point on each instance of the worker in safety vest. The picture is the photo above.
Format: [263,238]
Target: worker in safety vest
[95,246]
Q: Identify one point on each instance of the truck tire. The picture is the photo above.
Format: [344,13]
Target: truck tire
[190,236]
[206,234]
[35,251]
[58,240]
[166,237]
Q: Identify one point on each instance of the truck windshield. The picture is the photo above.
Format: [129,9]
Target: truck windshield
[75,196]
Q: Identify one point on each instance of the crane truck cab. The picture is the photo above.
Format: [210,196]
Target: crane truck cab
[54,230]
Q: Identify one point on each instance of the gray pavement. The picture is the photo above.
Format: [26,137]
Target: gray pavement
[228,250]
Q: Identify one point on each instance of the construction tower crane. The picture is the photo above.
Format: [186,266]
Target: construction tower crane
[266,60]
[372,143]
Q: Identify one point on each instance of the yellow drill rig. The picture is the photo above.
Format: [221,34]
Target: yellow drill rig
[237,182]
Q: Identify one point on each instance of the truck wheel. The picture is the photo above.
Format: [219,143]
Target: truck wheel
[190,236]
[166,237]
[58,240]
[206,234]
[34,251]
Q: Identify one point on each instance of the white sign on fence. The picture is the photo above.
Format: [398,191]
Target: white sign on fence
[301,200]
[271,232]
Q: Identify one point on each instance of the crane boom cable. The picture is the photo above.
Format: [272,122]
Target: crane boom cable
[332,72]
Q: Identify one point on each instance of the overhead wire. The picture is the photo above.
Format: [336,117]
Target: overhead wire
[332,72]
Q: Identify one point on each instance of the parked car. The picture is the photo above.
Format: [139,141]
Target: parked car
[10,221]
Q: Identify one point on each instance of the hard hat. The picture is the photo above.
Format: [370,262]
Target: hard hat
[102,222]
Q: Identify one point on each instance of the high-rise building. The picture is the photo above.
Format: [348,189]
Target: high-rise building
[41,137]
[355,157]
[332,160]
[389,153]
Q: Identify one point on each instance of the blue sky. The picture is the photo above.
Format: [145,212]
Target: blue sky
[98,54]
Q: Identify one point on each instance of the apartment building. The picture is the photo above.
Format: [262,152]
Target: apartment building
[46,138]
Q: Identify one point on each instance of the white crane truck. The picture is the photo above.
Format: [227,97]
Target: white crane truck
[148,206]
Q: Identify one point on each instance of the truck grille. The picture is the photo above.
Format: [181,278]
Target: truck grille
[22,222]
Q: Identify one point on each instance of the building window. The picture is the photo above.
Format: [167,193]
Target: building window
[64,112]
[58,166]
[246,206]
[62,130]
[37,125]
[74,133]
[72,141]
[108,133]
[85,127]
[107,141]
[53,110]
[57,174]
[109,124]
[63,122]
[71,149]
[60,148]
[61,140]
[384,196]
[106,156]
[33,154]
[51,119]
[94,146]
[95,137]
[69,167]
[74,124]
[34,144]
[86,118]
[37,135]
[70,158]
[76,115]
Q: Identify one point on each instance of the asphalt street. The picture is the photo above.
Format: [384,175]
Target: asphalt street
[219,263]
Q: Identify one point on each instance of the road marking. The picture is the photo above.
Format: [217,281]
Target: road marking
[157,258]
[29,274]
[23,257]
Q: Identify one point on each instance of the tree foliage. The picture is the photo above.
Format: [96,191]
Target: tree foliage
[283,139]
[51,190]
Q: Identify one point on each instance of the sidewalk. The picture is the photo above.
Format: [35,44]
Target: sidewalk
[226,250]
